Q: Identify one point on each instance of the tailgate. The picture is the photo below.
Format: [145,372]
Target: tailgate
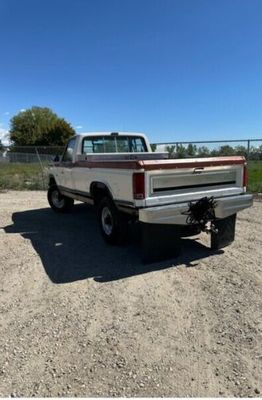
[180,184]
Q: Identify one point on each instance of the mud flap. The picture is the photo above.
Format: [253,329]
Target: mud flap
[160,241]
[226,232]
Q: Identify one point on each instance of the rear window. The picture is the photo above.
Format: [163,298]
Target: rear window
[113,144]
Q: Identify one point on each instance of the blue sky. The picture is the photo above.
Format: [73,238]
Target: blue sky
[176,70]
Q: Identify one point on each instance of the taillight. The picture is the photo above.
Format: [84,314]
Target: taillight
[139,185]
[245,175]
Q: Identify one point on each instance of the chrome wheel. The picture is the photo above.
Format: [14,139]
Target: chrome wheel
[57,199]
[107,221]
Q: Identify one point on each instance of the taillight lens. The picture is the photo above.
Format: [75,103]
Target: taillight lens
[139,185]
[245,176]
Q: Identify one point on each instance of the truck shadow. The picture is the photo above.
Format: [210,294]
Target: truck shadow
[71,248]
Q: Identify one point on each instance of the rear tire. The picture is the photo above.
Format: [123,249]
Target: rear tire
[113,224]
[58,202]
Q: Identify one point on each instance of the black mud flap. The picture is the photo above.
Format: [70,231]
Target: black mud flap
[226,232]
[160,242]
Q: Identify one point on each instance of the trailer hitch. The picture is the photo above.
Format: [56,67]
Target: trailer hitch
[202,213]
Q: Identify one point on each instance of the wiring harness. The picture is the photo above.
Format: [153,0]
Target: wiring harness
[201,213]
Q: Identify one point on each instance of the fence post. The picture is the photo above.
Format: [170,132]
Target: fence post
[248,148]
[41,166]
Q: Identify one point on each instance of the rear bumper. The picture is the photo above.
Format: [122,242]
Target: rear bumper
[172,214]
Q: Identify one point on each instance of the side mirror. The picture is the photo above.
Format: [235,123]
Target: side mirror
[56,158]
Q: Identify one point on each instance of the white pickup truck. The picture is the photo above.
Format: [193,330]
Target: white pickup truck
[125,180]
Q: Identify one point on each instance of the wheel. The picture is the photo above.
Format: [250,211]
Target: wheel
[113,224]
[57,201]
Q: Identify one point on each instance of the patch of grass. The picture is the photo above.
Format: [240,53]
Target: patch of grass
[19,176]
[255,176]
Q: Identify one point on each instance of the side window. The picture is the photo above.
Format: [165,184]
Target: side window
[68,153]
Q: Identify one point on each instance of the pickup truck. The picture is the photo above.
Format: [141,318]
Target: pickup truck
[119,174]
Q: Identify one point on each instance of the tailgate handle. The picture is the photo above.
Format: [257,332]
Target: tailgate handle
[198,170]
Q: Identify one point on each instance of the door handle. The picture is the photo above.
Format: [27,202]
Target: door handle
[198,170]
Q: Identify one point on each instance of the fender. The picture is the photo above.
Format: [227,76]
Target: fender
[51,180]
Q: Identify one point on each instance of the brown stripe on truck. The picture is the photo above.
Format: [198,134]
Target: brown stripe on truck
[149,165]
[192,163]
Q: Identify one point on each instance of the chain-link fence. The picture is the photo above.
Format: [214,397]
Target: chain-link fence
[250,148]
[25,167]
[30,154]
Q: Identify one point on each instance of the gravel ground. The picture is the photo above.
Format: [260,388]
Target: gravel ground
[81,318]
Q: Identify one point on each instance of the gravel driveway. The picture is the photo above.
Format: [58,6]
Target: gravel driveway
[81,318]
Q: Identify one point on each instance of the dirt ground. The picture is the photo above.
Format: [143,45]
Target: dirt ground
[81,318]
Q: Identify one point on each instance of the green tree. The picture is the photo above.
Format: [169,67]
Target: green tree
[153,147]
[178,151]
[215,153]
[241,151]
[255,153]
[203,151]
[39,126]
[58,134]
[181,151]
[171,151]
[1,146]
[226,150]
[191,150]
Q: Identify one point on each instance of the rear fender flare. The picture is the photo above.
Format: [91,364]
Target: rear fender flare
[99,190]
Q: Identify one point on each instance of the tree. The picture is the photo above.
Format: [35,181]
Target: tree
[153,147]
[241,151]
[226,150]
[171,151]
[178,151]
[255,153]
[39,126]
[181,151]
[203,151]
[1,146]
[58,134]
[215,153]
[191,150]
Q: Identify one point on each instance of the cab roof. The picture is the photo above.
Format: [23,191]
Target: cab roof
[110,133]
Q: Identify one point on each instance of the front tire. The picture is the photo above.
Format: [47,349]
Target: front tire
[57,201]
[113,224]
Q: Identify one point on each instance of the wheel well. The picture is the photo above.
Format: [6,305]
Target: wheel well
[98,190]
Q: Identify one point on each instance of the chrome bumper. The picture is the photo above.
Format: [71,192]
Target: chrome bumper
[172,214]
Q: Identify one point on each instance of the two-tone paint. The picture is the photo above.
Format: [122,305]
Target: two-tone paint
[168,184]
